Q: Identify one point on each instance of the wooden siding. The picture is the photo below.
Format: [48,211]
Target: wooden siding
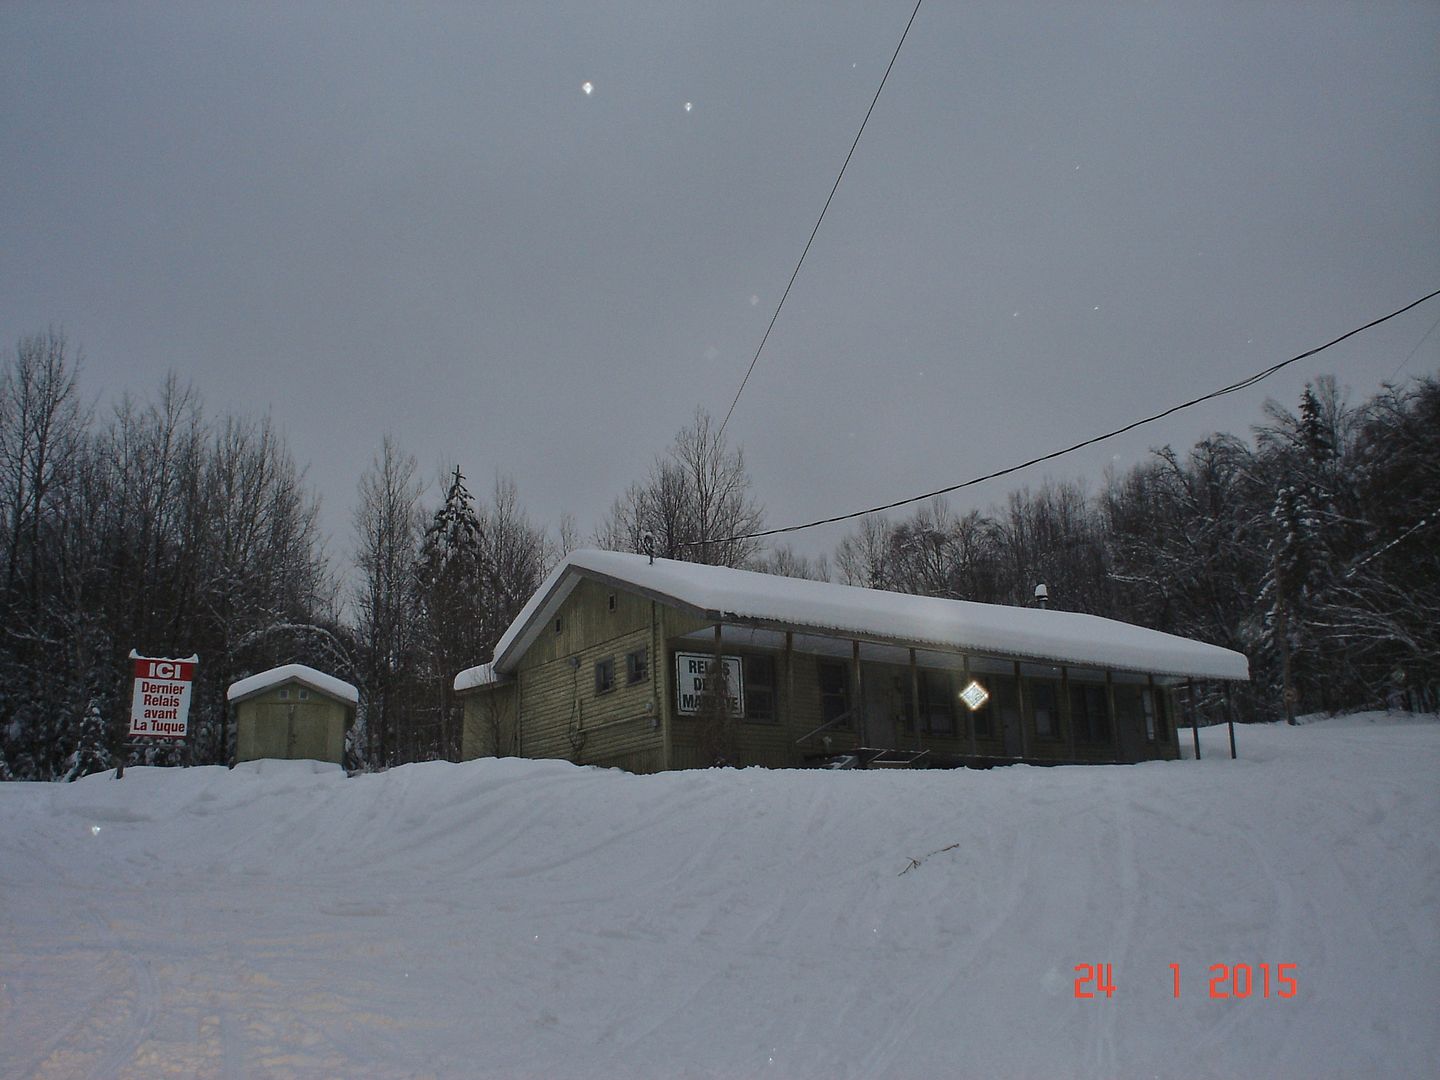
[488,728]
[557,710]
[269,726]
[553,709]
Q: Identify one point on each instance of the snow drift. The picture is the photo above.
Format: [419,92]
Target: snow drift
[534,919]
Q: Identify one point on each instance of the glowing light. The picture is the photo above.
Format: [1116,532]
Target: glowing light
[94,830]
[689,105]
[754,299]
[587,87]
[974,695]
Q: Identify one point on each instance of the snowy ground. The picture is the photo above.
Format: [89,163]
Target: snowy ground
[533,919]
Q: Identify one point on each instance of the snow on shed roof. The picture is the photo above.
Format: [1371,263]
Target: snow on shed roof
[316,680]
[744,596]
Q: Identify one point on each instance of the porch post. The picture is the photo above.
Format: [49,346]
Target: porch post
[1230,719]
[1065,712]
[857,706]
[915,701]
[1020,697]
[790,696]
[970,713]
[660,685]
[1114,715]
[1194,714]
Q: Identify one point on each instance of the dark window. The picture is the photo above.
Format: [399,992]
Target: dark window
[937,711]
[1005,702]
[612,601]
[604,675]
[557,624]
[637,666]
[1043,706]
[1089,712]
[1162,708]
[759,687]
[834,692]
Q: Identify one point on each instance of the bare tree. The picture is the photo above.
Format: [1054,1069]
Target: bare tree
[388,525]
[42,425]
[785,561]
[696,503]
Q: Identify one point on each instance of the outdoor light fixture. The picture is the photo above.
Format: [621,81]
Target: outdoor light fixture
[974,695]
[1042,594]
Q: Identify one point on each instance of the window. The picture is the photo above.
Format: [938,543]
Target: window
[637,666]
[1043,697]
[303,694]
[605,675]
[1089,712]
[557,624]
[1147,702]
[834,692]
[759,674]
[285,694]
[612,601]
[937,711]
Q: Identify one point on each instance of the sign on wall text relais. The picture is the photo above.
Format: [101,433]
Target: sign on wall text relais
[160,705]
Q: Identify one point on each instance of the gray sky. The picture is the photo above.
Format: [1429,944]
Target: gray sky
[410,218]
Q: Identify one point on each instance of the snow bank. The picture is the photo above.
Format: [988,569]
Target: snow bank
[508,918]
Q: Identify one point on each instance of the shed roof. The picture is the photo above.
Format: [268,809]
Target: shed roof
[745,597]
[308,676]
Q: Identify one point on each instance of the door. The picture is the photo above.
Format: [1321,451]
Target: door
[307,734]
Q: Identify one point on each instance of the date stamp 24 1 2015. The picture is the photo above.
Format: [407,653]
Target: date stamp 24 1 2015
[1227,981]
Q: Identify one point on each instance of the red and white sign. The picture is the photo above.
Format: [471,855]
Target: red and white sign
[160,707]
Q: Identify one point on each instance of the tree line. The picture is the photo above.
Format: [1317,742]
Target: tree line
[161,527]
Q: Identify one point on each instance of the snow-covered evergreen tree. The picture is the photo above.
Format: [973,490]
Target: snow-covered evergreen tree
[91,753]
[450,577]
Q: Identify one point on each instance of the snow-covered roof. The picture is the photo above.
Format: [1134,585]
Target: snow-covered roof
[743,596]
[308,676]
[475,677]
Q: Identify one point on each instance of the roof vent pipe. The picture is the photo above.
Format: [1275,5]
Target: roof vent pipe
[1042,595]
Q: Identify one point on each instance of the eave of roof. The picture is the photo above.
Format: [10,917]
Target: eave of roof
[743,597]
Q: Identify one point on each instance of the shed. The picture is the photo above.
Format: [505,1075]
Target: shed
[611,661]
[292,711]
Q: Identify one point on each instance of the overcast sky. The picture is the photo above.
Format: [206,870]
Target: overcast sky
[411,218]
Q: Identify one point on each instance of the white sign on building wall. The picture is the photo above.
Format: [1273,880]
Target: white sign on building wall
[160,705]
[691,671]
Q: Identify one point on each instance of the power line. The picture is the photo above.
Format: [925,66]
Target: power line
[1243,384]
[818,220]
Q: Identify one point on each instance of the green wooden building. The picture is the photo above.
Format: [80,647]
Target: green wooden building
[611,663]
[292,711]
